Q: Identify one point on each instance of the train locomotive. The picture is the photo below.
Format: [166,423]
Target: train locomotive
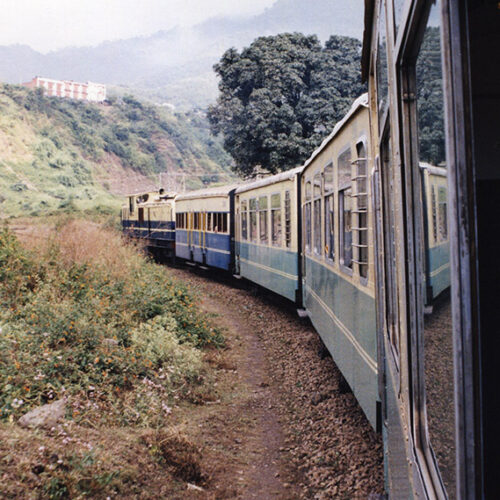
[376,239]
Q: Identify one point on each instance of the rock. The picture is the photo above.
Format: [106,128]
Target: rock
[44,416]
[194,487]
[110,342]
[316,398]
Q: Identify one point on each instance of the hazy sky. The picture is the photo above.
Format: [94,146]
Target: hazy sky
[51,24]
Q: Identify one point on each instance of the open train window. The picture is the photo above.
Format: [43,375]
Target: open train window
[345,208]
[362,210]
[443,214]
[307,217]
[434,214]
[276,219]
[253,219]
[288,220]
[244,220]
[224,223]
[131,204]
[329,220]
[317,214]
[263,228]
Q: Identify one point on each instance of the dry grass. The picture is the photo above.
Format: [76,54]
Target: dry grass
[84,242]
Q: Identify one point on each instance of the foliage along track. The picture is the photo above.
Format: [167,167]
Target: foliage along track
[283,426]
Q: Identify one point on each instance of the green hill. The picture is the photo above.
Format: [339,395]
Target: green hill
[64,154]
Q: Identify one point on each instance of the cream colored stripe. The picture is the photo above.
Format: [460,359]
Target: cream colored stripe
[439,269]
[225,252]
[269,269]
[369,361]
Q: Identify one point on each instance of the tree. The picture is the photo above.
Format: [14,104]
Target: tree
[281,95]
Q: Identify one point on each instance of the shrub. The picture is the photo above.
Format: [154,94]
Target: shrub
[85,314]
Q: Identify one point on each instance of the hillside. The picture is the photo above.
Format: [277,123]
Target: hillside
[176,65]
[57,153]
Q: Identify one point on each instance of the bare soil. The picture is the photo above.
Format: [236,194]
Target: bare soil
[284,426]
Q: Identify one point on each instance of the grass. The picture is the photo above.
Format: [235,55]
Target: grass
[86,316]
[67,155]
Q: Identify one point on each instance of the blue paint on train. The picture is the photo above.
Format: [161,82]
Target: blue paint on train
[212,249]
[344,316]
[271,267]
[438,269]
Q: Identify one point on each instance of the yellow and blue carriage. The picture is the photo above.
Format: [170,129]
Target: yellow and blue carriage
[205,226]
[437,244]
[337,253]
[150,216]
[266,234]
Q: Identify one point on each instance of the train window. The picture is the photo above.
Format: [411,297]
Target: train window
[209,221]
[434,214]
[345,212]
[328,178]
[224,223]
[317,214]
[362,211]
[131,204]
[244,220]
[443,215]
[141,214]
[329,227]
[253,219]
[308,190]
[276,219]
[263,227]
[437,432]
[307,226]
[288,220]
[345,208]
[398,12]
[381,63]
[344,169]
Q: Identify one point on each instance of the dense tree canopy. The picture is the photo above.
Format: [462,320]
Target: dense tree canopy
[430,100]
[281,95]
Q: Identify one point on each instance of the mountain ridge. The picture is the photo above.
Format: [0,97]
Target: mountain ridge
[138,63]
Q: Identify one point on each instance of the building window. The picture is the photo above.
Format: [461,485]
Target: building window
[263,229]
[276,219]
[244,220]
[253,219]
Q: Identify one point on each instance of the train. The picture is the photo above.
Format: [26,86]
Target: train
[384,238]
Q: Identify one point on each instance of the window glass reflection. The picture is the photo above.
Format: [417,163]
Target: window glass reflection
[438,343]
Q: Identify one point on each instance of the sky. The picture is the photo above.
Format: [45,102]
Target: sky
[47,25]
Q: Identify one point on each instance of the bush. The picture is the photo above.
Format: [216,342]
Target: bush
[87,315]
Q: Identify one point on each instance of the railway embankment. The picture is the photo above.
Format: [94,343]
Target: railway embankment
[174,384]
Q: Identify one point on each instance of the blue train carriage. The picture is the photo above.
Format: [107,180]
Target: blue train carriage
[266,233]
[437,244]
[150,216]
[205,227]
[337,253]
